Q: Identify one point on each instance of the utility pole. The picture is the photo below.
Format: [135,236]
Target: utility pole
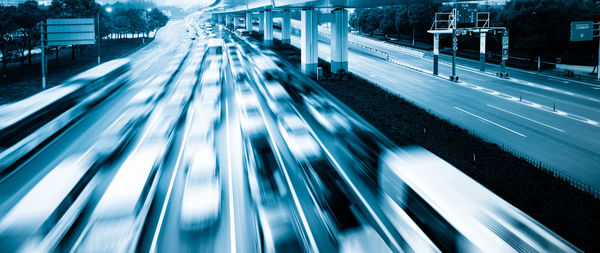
[454,43]
[504,74]
[98,38]
[43,56]
[454,49]
[436,52]
[598,76]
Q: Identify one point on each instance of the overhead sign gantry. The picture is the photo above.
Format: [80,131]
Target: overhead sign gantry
[460,21]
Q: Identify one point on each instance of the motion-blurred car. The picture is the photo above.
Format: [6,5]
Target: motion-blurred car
[275,226]
[326,114]
[362,239]
[301,143]
[250,117]
[276,230]
[242,32]
[278,99]
[201,201]
[113,139]
[211,103]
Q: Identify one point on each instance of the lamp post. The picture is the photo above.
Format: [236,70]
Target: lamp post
[98,42]
[146,20]
[109,11]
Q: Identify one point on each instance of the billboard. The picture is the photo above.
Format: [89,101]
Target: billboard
[72,31]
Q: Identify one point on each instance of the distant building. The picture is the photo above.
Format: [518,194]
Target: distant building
[482,2]
[17,2]
[11,2]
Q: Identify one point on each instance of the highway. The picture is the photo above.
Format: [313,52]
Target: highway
[211,143]
[518,113]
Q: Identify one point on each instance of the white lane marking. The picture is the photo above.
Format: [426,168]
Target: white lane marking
[171,184]
[491,122]
[230,182]
[529,103]
[520,116]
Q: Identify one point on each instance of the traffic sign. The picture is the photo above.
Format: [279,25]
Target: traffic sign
[455,48]
[454,39]
[463,32]
[582,31]
[466,12]
[505,54]
[457,32]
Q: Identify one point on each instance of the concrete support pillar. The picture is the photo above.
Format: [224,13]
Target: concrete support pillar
[436,52]
[227,19]
[339,40]
[236,22]
[268,21]
[249,21]
[482,51]
[286,28]
[261,22]
[309,41]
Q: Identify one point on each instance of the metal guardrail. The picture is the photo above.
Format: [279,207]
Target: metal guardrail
[571,74]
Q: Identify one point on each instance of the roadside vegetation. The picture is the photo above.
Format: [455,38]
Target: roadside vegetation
[537,27]
[20,29]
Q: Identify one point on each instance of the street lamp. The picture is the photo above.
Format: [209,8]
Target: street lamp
[109,10]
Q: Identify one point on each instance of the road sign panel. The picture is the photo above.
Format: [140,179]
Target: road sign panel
[466,12]
[504,54]
[582,31]
[74,31]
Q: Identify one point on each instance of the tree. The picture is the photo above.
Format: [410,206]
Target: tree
[157,19]
[28,18]
[387,23]
[540,26]
[74,8]
[136,22]
[7,30]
